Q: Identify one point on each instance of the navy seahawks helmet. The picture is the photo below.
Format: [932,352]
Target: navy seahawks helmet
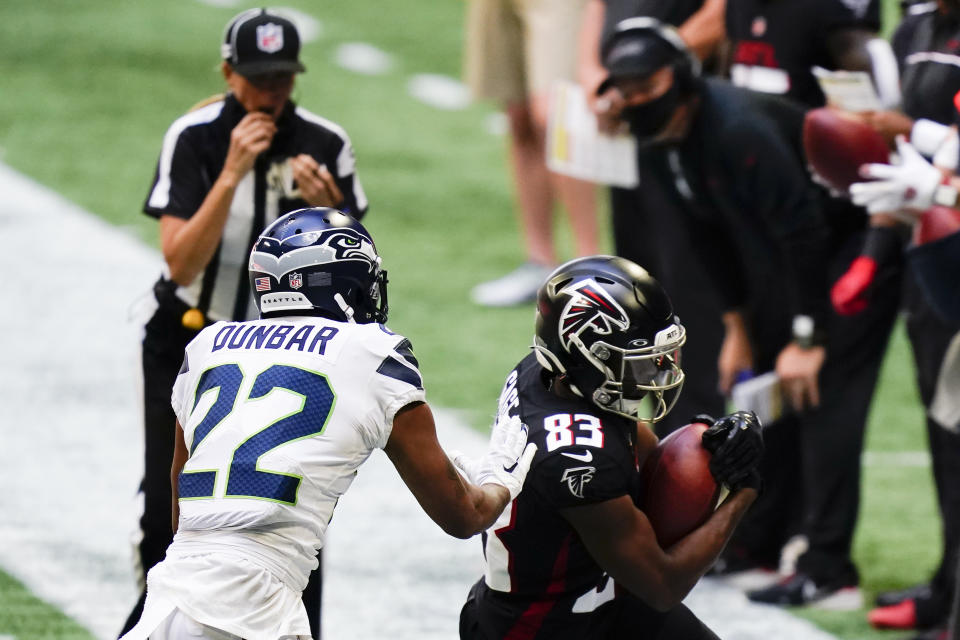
[608,327]
[318,261]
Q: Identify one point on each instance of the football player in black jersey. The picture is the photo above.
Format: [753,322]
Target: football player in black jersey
[574,557]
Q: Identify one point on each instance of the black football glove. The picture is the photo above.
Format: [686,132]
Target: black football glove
[735,442]
[703,418]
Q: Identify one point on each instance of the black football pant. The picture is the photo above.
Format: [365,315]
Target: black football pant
[831,437]
[929,337]
[164,341]
[490,615]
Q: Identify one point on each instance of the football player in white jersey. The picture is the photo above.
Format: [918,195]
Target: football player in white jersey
[273,418]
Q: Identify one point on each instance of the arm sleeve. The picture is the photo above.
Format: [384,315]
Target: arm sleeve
[708,234]
[774,190]
[902,39]
[345,173]
[179,183]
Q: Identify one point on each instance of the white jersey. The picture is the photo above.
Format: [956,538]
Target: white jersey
[277,415]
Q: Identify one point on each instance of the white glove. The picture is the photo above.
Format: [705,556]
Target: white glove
[507,460]
[912,184]
[948,153]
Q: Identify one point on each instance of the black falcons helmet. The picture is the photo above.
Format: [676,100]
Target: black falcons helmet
[318,261]
[608,326]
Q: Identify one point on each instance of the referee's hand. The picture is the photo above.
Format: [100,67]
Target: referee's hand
[315,182]
[250,138]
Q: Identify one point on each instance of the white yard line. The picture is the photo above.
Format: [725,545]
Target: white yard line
[363,58]
[896,459]
[439,91]
[71,455]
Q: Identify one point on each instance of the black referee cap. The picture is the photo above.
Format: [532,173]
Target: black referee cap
[260,41]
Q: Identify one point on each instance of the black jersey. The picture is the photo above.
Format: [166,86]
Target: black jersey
[927,46]
[537,569]
[752,212]
[194,150]
[775,43]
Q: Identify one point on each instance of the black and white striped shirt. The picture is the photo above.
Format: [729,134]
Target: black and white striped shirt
[194,150]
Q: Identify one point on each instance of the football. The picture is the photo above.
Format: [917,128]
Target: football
[837,143]
[678,492]
[936,223]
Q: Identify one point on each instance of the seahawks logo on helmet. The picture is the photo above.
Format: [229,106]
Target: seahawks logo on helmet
[347,244]
[576,478]
[590,306]
[316,247]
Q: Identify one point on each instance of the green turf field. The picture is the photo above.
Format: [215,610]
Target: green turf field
[90,87]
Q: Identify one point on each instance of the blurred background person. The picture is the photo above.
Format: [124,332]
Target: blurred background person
[227,169]
[515,50]
[645,220]
[928,54]
[924,196]
[774,47]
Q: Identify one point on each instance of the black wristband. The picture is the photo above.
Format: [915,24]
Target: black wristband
[884,245]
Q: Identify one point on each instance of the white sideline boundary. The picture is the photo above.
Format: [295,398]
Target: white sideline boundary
[70,459]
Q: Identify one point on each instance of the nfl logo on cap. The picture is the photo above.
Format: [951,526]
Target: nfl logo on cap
[296,280]
[269,37]
[260,41]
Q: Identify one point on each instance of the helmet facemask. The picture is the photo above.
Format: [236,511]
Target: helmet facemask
[640,383]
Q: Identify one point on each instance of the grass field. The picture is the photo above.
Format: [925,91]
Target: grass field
[90,87]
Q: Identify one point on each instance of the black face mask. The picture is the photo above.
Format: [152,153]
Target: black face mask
[648,119]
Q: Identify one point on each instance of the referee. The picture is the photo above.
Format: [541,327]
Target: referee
[227,169]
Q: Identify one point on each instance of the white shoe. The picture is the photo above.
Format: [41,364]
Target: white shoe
[517,287]
[749,579]
[845,599]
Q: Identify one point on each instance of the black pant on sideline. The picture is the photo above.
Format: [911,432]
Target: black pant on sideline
[929,337]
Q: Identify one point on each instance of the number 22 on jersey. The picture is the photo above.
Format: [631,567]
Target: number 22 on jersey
[245,477]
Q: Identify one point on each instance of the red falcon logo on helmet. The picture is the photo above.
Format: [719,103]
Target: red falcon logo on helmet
[590,306]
